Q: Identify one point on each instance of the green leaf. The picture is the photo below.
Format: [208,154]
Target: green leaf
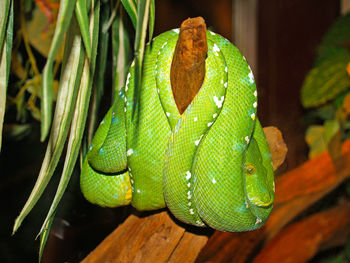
[82,16]
[121,53]
[318,137]
[79,117]
[4,11]
[139,47]
[69,83]
[337,36]
[325,82]
[347,245]
[331,52]
[64,17]
[16,131]
[130,7]
[44,236]
[152,15]
[339,258]
[6,26]
[101,64]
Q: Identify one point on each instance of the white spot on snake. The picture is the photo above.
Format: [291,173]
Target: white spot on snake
[222,81]
[138,190]
[198,141]
[189,193]
[218,101]
[255,104]
[101,151]
[189,185]
[199,223]
[226,69]
[164,44]
[251,77]
[255,93]
[132,181]
[189,197]
[191,211]
[124,109]
[188,175]
[130,175]
[103,121]
[252,116]
[125,100]
[215,115]
[168,114]
[195,119]
[225,85]
[159,52]
[244,58]
[156,66]
[129,152]
[216,48]
[246,139]
[91,146]
[128,78]
[176,30]
[189,204]
[158,91]
[212,33]
[133,63]
[258,221]
[213,181]
[209,124]
[273,185]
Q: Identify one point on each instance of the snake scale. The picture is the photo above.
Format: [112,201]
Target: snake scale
[210,165]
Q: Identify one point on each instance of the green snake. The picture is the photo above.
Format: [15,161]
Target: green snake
[211,165]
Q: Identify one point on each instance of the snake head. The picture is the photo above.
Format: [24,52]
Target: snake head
[258,190]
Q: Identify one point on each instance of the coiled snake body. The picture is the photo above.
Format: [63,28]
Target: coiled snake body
[210,165]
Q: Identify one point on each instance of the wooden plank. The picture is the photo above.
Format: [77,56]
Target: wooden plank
[304,238]
[139,239]
[188,248]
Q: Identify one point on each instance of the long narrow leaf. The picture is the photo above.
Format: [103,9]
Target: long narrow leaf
[101,65]
[63,21]
[139,47]
[121,52]
[70,79]
[5,59]
[44,236]
[4,11]
[79,118]
[130,7]
[81,12]
[152,16]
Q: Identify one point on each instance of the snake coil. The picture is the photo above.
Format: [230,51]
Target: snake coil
[210,165]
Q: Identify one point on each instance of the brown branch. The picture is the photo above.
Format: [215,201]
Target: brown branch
[188,65]
[300,241]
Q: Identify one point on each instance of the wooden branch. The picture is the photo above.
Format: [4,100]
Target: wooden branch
[188,65]
[304,238]
[295,191]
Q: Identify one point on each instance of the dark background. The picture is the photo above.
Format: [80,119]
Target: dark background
[286,35]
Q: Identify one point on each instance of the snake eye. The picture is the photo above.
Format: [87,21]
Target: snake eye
[249,169]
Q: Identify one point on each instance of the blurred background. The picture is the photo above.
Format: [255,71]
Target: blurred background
[279,38]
